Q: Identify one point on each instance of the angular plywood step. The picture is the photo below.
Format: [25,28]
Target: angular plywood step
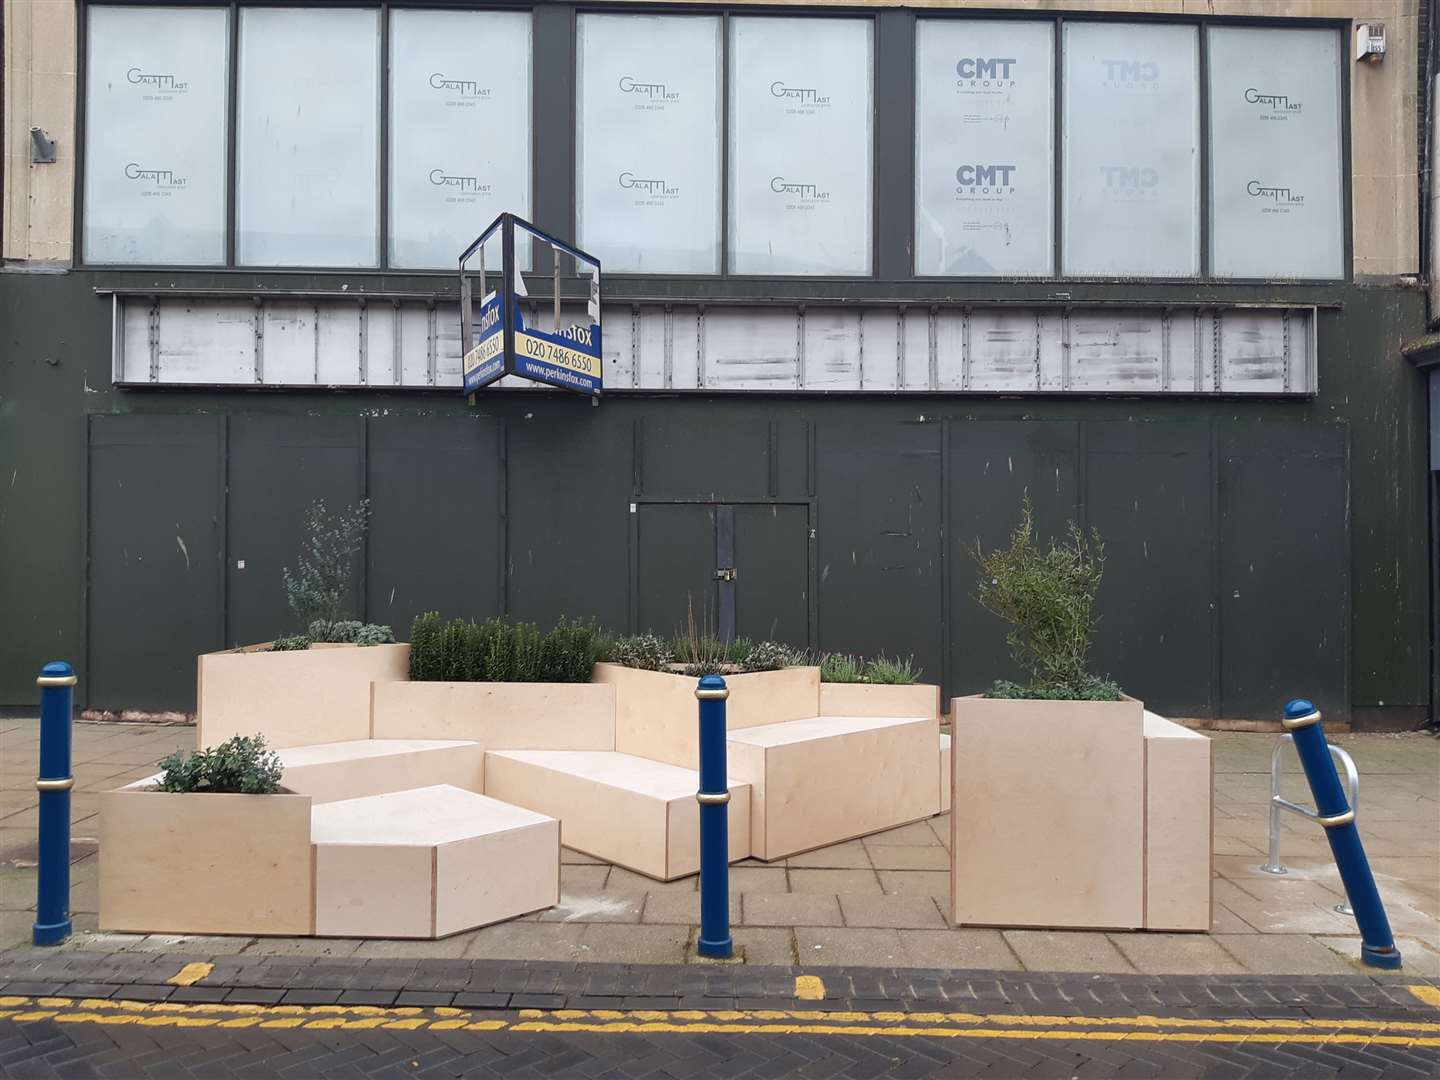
[947,752]
[429,862]
[361,767]
[832,778]
[629,810]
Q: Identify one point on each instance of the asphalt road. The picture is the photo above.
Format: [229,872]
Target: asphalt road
[53,1037]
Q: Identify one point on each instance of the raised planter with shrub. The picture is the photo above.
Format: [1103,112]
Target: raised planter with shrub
[1050,825]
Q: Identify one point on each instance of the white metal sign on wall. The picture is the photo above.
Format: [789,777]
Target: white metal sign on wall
[403,343]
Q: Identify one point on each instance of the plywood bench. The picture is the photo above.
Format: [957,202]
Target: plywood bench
[429,862]
[622,808]
[358,767]
[832,778]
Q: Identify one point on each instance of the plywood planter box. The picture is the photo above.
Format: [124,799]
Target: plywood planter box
[296,697]
[656,711]
[204,864]
[497,715]
[879,699]
[1048,814]
[1079,814]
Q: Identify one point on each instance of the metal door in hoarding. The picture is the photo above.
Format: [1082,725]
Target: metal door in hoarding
[739,570]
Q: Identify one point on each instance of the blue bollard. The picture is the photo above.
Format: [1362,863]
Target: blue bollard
[714,797]
[1377,945]
[52,891]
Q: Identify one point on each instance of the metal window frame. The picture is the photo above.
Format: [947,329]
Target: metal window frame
[893,175]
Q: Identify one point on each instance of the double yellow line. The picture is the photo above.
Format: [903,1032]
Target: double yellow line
[935,1025]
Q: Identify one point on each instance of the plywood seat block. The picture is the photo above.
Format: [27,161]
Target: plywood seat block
[358,768]
[826,779]
[623,808]
[428,862]
[1179,785]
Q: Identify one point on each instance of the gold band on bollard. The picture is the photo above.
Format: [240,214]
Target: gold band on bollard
[55,785]
[1334,821]
[706,798]
[1300,721]
[57,680]
[712,695]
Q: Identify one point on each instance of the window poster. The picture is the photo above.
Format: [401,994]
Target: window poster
[1130,134]
[800,145]
[1276,208]
[156,86]
[459,130]
[648,156]
[984,148]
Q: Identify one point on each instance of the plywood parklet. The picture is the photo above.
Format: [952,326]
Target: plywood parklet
[1179,801]
[329,772]
[295,697]
[204,864]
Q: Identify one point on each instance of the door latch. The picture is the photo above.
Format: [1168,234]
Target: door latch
[725,573]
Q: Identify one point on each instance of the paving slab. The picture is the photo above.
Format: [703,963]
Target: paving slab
[595,906]
[934,883]
[790,909]
[850,855]
[682,908]
[634,944]
[765,946]
[1293,954]
[966,949]
[823,946]
[1420,957]
[834,881]
[526,941]
[897,912]
[1059,950]
[908,856]
[1170,954]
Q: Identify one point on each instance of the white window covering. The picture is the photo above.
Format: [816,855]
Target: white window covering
[1276,199]
[459,130]
[801,109]
[307,185]
[648,133]
[984,150]
[1131,133]
[156,85]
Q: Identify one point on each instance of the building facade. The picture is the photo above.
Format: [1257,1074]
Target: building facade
[873,274]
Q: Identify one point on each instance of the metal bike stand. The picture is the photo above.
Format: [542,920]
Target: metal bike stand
[1278,803]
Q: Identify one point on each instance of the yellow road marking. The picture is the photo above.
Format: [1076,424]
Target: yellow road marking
[190,974]
[1428,994]
[950,1025]
[809,988]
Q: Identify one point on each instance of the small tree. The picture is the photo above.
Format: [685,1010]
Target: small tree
[320,588]
[1047,594]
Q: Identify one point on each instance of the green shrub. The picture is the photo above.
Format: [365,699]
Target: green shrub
[841,668]
[425,647]
[1047,594]
[771,656]
[238,766]
[1093,688]
[350,632]
[644,651]
[320,587]
[884,671]
[291,643]
[499,651]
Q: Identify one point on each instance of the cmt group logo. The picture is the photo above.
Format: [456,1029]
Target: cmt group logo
[458,188]
[1131,182]
[651,192]
[982,181]
[804,100]
[1133,76]
[1280,200]
[985,72]
[459,93]
[649,94]
[799,195]
[1273,106]
[156,85]
[154,182]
